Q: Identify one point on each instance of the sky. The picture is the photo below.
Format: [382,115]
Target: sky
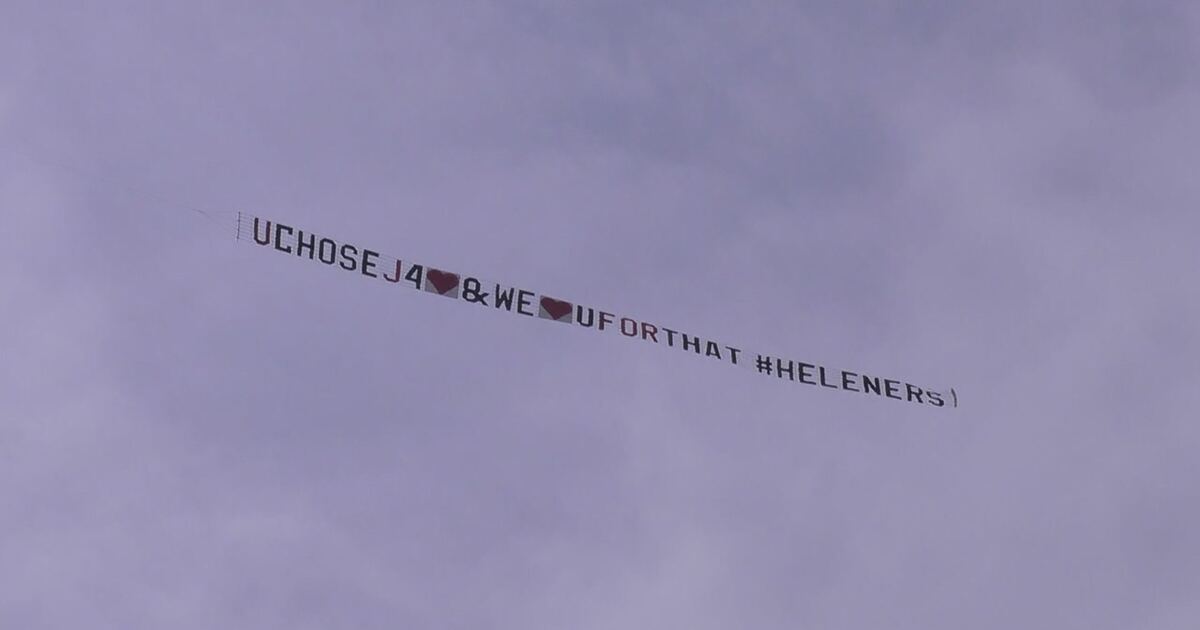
[997,197]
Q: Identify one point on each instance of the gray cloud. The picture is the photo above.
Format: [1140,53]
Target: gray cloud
[195,433]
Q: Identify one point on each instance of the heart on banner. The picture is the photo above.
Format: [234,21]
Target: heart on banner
[557,310]
[441,282]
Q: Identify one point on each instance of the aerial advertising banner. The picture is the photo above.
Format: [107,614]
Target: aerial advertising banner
[513,299]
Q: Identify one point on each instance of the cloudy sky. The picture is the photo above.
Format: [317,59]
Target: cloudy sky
[199,434]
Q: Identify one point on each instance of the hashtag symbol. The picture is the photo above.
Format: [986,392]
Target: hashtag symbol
[763,364]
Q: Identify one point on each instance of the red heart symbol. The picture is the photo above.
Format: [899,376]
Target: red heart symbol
[443,281]
[556,308]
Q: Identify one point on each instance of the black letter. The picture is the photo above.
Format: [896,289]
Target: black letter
[524,298]
[266,239]
[368,264]
[892,386]
[910,389]
[591,318]
[332,251]
[871,383]
[847,378]
[279,228]
[763,364]
[823,379]
[806,373]
[301,245]
[414,275]
[471,293]
[504,298]
[352,258]
[779,369]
